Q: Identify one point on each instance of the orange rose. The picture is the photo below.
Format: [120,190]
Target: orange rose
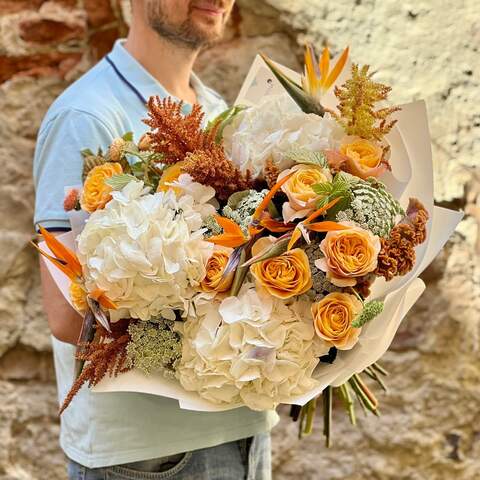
[284,276]
[213,281]
[298,188]
[363,157]
[78,296]
[333,317]
[96,193]
[348,254]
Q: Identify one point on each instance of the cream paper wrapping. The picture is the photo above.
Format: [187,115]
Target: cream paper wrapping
[411,176]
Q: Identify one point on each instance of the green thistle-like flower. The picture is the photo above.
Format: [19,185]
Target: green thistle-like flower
[154,346]
[370,311]
[372,207]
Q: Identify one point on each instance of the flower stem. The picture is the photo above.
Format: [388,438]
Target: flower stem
[357,295]
[365,396]
[348,402]
[379,369]
[327,414]
[301,422]
[374,376]
[310,408]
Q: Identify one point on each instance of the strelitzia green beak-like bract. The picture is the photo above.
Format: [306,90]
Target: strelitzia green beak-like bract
[316,81]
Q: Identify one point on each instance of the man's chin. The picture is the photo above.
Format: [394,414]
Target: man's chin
[207,36]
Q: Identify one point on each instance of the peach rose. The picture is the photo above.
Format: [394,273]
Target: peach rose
[333,317]
[96,193]
[363,157]
[79,297]
[298,188]
[284,276]
[348,254]
[213,281]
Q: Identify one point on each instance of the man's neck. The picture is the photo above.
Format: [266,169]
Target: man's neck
[167,62]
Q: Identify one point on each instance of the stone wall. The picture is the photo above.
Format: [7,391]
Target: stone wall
[429,429]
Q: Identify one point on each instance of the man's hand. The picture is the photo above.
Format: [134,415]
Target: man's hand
[64,321]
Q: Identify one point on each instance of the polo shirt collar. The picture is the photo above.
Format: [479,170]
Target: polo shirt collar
[145,83]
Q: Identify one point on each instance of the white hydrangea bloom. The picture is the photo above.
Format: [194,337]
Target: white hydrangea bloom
[145,251]
[203,195]
[273,127]
[254,349]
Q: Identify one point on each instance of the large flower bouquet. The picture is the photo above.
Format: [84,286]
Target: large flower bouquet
[264,258]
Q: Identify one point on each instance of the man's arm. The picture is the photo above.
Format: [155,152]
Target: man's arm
[58,163]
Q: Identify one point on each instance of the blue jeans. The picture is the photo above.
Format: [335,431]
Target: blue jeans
[246,459]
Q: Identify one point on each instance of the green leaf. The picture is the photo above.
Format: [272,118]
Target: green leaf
[128,137]
[86,152]
[370,311]
[117,182]
[307,157]
[272,210]
[224,119]
[339,187]
[235,198]
[138,169]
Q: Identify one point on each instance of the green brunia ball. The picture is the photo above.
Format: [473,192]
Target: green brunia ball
[372,206]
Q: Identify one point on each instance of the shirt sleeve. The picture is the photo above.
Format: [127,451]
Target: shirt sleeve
[58,162]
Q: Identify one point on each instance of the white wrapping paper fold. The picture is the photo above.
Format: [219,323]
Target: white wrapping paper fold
[411,176]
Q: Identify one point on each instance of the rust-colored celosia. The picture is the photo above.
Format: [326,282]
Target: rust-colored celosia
[71,200]
[397,253]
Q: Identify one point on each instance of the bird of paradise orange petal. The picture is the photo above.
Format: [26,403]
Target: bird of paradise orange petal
[232,235]
[63,258]
[255,223]
[276,226]
[316,227]
[67,262]
[318,78]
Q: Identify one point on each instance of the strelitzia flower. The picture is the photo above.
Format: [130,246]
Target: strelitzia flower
[66,261]
[317,80]
[318,77]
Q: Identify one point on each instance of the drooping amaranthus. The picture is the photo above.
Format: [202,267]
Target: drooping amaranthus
[105,355]
[357,98]
[180,138]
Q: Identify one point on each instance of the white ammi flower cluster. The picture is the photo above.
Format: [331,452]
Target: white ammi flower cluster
[271,128]
[145,251]
[253,349]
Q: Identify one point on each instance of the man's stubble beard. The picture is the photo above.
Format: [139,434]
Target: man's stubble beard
[186,34]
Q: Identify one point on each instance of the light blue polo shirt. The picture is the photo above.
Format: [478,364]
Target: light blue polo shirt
[103,429]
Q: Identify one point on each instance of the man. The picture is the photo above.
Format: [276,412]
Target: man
[130,435]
